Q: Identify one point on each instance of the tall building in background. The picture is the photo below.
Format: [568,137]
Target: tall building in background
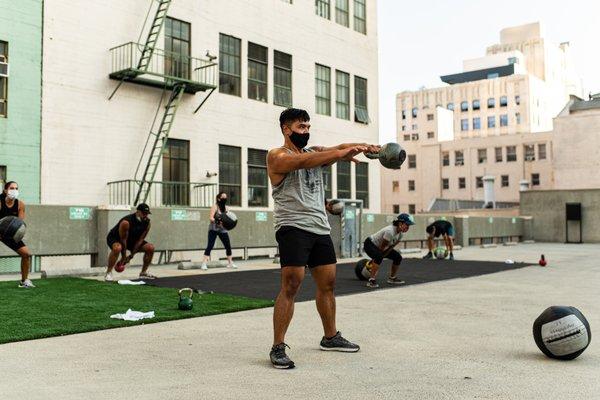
[243,61]
[491,119]
[20,95]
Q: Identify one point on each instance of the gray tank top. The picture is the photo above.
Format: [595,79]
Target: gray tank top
[300,201]
[217,228]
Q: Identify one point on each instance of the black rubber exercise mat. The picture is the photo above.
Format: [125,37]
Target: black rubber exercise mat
[264,283]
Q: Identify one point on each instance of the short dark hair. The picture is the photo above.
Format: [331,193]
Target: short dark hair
[430,229]
[291,115]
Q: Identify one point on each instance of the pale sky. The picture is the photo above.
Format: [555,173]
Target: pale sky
[423,39]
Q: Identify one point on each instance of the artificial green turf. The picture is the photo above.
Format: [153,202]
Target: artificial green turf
[64,306]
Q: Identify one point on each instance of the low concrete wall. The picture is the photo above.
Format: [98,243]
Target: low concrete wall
[548,209]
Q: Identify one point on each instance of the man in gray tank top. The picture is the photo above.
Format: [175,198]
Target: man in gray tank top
[302,228]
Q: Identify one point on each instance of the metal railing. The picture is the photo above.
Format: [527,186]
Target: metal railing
[163,65]
[164,194]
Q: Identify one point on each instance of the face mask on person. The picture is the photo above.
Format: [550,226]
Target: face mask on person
[12,194]
[299,140]
[221,203]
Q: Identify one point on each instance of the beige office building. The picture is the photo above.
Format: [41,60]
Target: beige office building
[488,120]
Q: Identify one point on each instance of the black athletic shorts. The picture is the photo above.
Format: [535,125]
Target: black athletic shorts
[298,247]
[11,244]
[110,240]
[377,255]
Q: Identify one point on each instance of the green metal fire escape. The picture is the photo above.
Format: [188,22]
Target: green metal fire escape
[145,64]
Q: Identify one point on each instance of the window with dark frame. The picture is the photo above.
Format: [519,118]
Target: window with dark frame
[459,158]
[491,121]
[464,106]
[504,120]
[230,173]
[450,106]
[535,179]
[282,79]
[476,105]
[542,151]
[462,183]
[476,123]
[323,89]
[445,183]
[498,153]
[360,16]
[411,185]
[396,208]
[412,161]
[511,153]
[176,169]
[258,181]
[342,10]
[361,113]
[343,180]
[504,179]
[429,117]
[430,135]
[257,72]
[464,125]
[407,137]
[177,48]
[529,151]
[342,95]
[491,102]
[415,136]
[395,186]
[415,110]
[445,159]
[229,65]
[479,182]
[322,8]
[503,101]
[411,209]
[481,156]
[362,183]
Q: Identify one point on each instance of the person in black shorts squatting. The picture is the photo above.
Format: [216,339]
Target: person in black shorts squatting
[130,234]
[437,228]
[10,205]
[302,228]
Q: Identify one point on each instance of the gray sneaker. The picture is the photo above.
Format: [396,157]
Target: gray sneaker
[279,359]
[338,343]
[372,283]
[395,281]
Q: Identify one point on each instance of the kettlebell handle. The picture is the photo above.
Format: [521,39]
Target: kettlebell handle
[373,156]
[186,290]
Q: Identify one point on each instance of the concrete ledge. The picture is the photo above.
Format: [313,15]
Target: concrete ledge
[84,271]
[528,241]
[410,251]
[197,265]
[488,246]
[510,244]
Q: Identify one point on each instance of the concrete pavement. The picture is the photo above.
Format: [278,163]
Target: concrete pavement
[457,339]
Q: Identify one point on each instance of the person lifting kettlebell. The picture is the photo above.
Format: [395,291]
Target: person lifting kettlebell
[381,245]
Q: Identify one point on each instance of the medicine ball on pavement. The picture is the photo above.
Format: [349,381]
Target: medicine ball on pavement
[13,228]
[562,332]
[362,270]
[440,253]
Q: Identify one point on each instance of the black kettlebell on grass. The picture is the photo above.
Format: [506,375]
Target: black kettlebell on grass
[185,299]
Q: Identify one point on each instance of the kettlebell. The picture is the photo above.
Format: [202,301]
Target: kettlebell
[185,299]
[391,155]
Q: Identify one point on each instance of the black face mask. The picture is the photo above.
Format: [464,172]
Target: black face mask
[299,140]
[221,203]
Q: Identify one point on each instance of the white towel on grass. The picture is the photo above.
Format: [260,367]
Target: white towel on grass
[131,315]
[128,282]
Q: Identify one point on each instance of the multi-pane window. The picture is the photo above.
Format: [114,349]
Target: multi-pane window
[481,156]
[322,8]
[414,127]
[529,150]
[478,181]
[343,179]
[459,158]
[542,151]
[429,117]
[517,99]
[403,127]
[258,181]
[411,185]
[407,137]
[445,159]
[476,123]
[362,183]
[491,103]
[414,111]
[445,183]
[491,121]
[518,118]
[503,101]
[464,125]
[412,161]
[450,106]
[511,153]
[535,179]
[3,78]
[327,181]
[282,71]
[476,105]
[403,114]
[430,135]
[177,48]
[360,16]
[361,113]
[229,65]
[342,95]
[323,89]
[411,209]
[415,136]
[504,120]
[341,12]
[230,173]
[505,181]
[396,208]
[462,183]
[395,186]
[176,168]
[257,72]
[464,106]
[498,151]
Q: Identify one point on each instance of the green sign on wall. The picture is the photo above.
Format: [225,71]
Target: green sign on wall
[370,218]
[185,215]
[514,220]
[350,214]
[491,220]
[80,213]
[260,216]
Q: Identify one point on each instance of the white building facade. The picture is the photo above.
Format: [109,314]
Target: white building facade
[270,54]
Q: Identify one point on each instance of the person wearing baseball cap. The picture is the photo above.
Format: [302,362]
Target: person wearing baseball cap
[381,245]
[130,234]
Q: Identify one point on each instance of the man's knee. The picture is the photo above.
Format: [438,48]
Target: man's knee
[290,287]
[24,253]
